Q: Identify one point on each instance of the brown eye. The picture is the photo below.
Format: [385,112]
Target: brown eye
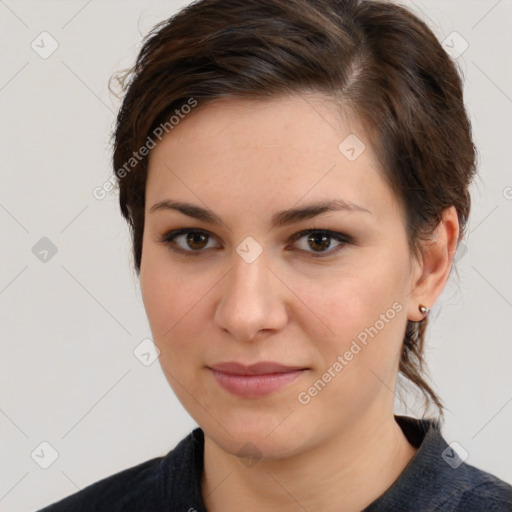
[196,240]
[319,243]
[188,241]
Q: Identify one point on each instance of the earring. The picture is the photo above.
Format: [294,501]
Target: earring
[424,310]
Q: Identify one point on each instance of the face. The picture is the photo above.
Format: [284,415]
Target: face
[253,272]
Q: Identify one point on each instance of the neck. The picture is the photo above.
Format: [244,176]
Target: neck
[345,473]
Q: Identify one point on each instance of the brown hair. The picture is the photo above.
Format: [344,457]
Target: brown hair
[375,59]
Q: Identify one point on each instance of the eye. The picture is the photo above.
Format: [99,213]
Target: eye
[192,242]
[320,241]
[187,241]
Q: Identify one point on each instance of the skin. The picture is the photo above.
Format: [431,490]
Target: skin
[246,160]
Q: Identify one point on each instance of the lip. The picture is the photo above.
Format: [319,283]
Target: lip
[255,380]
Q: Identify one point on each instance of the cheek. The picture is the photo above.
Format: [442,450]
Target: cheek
[366,304]
[367,316]
[158,295]
[175,301]
[165,295]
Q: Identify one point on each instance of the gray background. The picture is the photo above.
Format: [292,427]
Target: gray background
[70,322]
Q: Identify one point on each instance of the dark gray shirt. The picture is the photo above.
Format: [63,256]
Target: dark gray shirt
[434,480]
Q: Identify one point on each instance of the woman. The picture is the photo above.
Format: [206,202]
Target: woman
[295,174]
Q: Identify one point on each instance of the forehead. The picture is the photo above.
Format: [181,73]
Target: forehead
[278,150]
[285,121]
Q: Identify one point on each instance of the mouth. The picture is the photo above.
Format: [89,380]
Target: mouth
[255,380]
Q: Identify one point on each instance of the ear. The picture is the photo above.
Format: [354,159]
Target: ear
[435,264]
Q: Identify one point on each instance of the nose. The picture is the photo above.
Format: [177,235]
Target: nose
[252,300]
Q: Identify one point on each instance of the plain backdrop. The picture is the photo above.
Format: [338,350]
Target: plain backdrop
[72,315]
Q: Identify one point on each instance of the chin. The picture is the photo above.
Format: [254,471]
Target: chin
[258,435]
[258,445]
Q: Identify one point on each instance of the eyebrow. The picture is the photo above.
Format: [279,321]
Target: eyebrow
[279,219]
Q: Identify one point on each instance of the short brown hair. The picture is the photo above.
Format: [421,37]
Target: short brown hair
[375,59]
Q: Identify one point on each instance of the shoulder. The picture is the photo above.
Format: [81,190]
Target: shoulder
[461,487]
[136,486]
[475,490]
[438,480]
[146,486]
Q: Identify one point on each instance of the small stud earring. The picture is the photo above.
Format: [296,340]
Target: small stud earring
[424,310]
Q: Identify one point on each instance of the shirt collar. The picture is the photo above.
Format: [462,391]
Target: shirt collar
[427,481]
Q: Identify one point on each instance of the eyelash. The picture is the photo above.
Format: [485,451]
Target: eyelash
[169,237]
